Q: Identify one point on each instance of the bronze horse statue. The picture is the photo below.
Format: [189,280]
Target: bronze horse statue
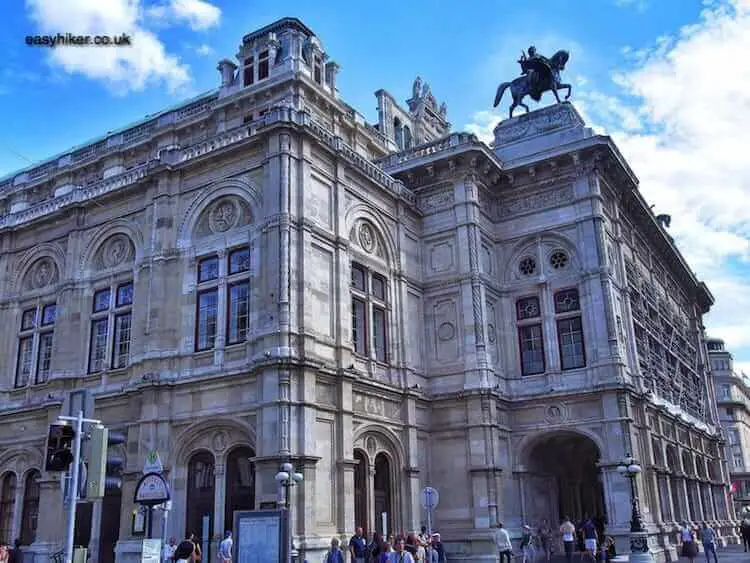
[540,75]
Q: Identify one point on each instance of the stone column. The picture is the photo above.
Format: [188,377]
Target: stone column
[220,488]
[371,497]
[221,314]
[50,529]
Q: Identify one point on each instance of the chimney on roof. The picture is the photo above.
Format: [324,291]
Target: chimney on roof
[226,68]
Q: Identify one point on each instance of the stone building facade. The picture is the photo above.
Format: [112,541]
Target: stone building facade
[733,400]
[259,275]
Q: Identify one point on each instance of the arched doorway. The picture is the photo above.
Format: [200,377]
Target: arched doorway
[240,488]
[7,506]
[360,490]
[563,479]
[200,493]
[382,493]
[30,513]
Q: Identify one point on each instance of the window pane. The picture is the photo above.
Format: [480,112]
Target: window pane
[248,74]
[570,335]
[239,296]
[358,277]
[49,314]
[25,360]
[263,65]
[239,261]
[101,300]
[527,308]
[44,357]
[359,332]
[379,334]
[7,505]
[28,319]
[566,301]
[378,287]
[124,295]
[207,314]
[532,349]
[208,269]
[121,345]
[98,351]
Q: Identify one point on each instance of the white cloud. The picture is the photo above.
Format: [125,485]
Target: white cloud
[122,68]
[681,119]
[205,50]
[198,14]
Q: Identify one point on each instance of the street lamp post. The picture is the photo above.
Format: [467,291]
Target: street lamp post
[639,550]
[288,478]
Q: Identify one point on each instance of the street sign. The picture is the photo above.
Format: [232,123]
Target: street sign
[430,498]
[151,490]
[153,463]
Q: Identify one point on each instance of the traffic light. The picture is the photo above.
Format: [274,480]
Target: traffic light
[114,464]
[59,447]
[97,462]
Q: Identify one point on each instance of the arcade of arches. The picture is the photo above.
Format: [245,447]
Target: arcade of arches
[562,478]
[374,493]
[239,488]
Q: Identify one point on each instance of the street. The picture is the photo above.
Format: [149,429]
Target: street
[729,554]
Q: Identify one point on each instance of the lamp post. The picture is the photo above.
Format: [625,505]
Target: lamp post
[639,551]
[288,478]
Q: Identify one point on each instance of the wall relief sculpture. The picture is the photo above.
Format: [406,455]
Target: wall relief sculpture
[224,215]
[42,274]
[366,237]
[115,251]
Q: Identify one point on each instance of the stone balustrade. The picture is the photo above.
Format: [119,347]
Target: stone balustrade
[178,156]
[427,149]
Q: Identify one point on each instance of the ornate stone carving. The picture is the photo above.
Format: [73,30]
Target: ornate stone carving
[366,237]
[547,199]
[371,445]
[42,274]
[555,117]
[224,215]
[437,199]
[491,333]
[446,331]
[220,441]
[555,413]
[116,251]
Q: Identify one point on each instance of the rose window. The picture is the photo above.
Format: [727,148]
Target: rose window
[527,266]
[558,260]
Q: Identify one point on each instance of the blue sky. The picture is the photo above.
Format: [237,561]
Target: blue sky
[661,77]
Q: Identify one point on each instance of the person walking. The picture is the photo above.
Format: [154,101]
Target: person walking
[745,532]
[358,546]
[528,553]
[169,550]
[502,541]
[400,555]
[334,555]
[544,533]
[708,539]
[186,551]
[568,533]
[689,548]
[589,539]
[225,548]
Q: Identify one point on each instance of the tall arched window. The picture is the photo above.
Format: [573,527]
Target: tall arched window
[200,493]
[382,493]
[240,492]
[7,506]
[360,491]
[30,514]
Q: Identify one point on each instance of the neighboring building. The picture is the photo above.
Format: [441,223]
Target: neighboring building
[257,276]
[733,400]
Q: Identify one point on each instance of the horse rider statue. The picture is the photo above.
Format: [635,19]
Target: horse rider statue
[538,75]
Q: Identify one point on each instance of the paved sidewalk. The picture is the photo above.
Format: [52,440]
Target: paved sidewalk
[729,554]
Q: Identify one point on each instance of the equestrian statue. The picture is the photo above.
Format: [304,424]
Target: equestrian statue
[539,74]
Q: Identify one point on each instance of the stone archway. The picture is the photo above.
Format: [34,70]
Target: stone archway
[563,479]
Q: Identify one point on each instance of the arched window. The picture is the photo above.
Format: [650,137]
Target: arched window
[7,506]
[240,492]
[200,493]
[30,514]
[398,133]
[407,137]
[369,313]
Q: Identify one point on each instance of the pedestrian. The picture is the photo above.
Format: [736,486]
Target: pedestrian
[169,550]
[689,548]
[334,555]
[708,539]
[400,555]
[502,541]
[528,553]
[745,532]
[358,546]
[185,552]
[589,539]
[375,547]
[568,532]
[225,548]
[385,553]
[437,551]
[544,533]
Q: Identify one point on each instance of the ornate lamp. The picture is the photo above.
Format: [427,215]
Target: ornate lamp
[639,551]
[288,478]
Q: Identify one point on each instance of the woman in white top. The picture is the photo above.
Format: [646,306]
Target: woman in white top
[687,539]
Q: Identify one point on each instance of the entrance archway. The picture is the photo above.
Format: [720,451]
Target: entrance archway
[360,490]
[200,493]
[563,479]
[240,484]
[382,497]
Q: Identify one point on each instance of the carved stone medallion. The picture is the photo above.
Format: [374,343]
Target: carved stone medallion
[43,273]
[220,441]
[223,216]
[371,446]
[116,251]
[366,237]
[446,331]
[555,413]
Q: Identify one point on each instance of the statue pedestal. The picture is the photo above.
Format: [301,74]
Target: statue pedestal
[528,136]
[639,550]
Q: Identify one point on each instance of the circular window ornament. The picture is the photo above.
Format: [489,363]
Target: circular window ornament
[558,260]
[366,237]
[527,266]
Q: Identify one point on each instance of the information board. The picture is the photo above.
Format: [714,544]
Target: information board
[151,551]
[260,536]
